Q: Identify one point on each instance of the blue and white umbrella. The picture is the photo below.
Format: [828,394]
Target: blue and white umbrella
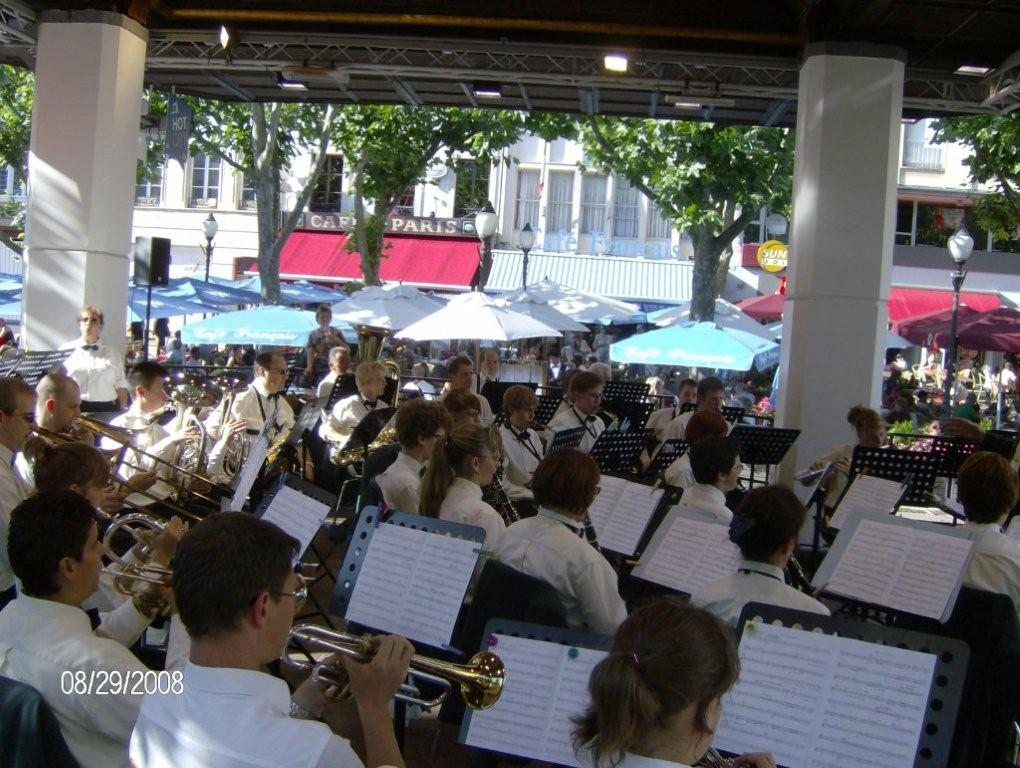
[271,325]
[212,295]
[726,316]
[698,345]
[301,292]
[161,306]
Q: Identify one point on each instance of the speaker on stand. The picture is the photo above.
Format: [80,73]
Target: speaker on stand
[152,268]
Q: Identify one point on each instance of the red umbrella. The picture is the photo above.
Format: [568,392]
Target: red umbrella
[932,329]
[995,331]
[765,309]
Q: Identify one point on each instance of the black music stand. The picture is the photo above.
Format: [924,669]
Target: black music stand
[732,414]
[763,445]
[343,386]
[32,366]
[1003,435]
[546,409]
[565,438]
[624,391]
[670,451]
[635,414]
[618,452]
[899,465]
[952,659]
[953,451]
[10,362]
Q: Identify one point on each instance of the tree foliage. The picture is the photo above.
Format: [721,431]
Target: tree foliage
[17,94]
[699,175]
[994,141]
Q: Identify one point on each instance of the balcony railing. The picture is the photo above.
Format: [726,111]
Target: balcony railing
[917,153]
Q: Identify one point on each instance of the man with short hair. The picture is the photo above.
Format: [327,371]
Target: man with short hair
[17,415]
[711,395]
[489,370]
[459,377]
[584,395]
[420,425]
[339,365]
[339,424]
[58,402]
[237,594]
[263,401]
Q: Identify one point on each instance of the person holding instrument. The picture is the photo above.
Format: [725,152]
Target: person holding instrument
[420,425]
[869,426]
[656,699]
[521,443]
[237,594]
[263,401]
[584,395]
[765,527]
[17,415]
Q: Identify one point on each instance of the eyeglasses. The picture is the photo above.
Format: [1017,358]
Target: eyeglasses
[598,490]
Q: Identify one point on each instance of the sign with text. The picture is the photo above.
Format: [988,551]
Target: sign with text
[178,130]
[772,256]
[400,225]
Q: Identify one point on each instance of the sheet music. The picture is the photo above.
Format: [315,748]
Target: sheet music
[299,515]
[546,685]
[412,583]
[867,494]
[813,699]
[687,554]
[621,511]
[249,472]
[901,567]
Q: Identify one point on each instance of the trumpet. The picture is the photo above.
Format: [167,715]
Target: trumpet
[480,680]
[712,759]
[124,583]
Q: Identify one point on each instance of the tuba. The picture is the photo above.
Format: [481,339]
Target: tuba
[192,393]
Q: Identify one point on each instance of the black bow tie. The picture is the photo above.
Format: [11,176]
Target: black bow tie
[370,404]
[589,418]
[274,396]
[421,472]
[524,437]
[93,347]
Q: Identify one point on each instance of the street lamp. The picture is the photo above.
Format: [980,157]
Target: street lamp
[485,228]
[527,242]
[960,246]
[209,229]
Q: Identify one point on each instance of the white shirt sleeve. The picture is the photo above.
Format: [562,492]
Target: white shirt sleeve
[602,608]
[338,754]
[123,624]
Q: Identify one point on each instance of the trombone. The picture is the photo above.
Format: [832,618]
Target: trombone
[480,680]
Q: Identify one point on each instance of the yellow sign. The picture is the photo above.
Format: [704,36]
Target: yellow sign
[772,256]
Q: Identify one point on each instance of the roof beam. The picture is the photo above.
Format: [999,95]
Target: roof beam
[525,97]
[469,94]
[405,91]
[229,85]
[589,100]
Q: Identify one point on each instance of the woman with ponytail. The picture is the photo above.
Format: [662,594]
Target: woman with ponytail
[656,699]
[765,527]
[869,427]
[452,487]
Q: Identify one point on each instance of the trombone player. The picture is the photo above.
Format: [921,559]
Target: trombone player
[236,594]
[263,401]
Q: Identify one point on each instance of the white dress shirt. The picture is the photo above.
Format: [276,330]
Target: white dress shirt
[709,500]
[552,547]
[996,563]
[42,639]
[680,474]
[485,417]
[345,416]
[660,420]
[571,418]
[232,718]
[400,483]
[255,406]
[324,389]
[726,597]
[99,373]
[13,491]
[463,504]
[523,451]
[150,437]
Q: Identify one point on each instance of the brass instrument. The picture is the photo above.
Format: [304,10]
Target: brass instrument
[480,680]
[131,523]
[354,450]
[192,392]
[239,445]
[712,759]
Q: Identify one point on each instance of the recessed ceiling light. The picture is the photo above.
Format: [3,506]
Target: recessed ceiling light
[224,36]
[969,69]
[294,85]
[684,104]
[615,62]
[487,90]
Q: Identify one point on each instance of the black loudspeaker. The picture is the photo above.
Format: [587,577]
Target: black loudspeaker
[152,261]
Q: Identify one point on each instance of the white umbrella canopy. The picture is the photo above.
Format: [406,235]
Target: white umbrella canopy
[392,307]
[585,307]
[529,305]
[476,316]
[726,316]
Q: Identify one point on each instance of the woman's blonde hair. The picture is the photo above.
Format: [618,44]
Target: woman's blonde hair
[865,421]
[450,459]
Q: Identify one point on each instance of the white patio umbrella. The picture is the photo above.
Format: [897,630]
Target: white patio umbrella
[726,316]
[585,307]
[529,305]
[476,316]
[391,307]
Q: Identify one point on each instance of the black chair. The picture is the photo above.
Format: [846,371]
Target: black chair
[30,735]
[990,703]
[377,462]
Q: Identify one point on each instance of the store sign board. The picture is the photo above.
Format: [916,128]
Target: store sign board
[400,225]
[772,256]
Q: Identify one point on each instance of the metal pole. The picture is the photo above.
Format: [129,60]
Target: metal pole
[524,277]
[951,350]
[148,310]
[208,256]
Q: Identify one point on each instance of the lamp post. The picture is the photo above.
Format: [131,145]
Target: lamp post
[527,242]
[485,228]
[209,229]
[960,246]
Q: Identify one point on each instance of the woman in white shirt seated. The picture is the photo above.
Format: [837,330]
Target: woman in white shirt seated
[656,699]
[452,487]
[987,488]
[715,464]
[552,546]
[765,528]
[869,427]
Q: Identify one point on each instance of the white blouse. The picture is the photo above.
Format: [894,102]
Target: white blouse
[463,504]
[753,582]
[709,500]
[99,372]
[522,458]
[400,483]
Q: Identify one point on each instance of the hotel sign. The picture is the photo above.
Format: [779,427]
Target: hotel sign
[399,225]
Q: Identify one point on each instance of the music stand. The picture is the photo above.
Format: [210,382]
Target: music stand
[953,451]
[617,452]
[546,409]
[732,414]
[635,414]
[10,362]
[343,386]
[951,661]
[898,465]
[763,445]
[565,438]
[624,391]
[32,366]
[1006,434]
[670,451]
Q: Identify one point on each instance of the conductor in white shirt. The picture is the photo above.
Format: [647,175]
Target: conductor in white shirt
[715,464]
[263,401]
[17,415]
[47,641]
[656,699]
[765,528]
[459,376]
[97,369]
[987,488]
[420,423]
[237,594]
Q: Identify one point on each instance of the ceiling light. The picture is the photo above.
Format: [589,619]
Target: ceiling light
[696,101]
[284,82]
[970,69]
[684,104]
[615,62]
[224,36]
[487,90]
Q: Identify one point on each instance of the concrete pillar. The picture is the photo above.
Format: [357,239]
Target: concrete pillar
[844,213]
[81,169]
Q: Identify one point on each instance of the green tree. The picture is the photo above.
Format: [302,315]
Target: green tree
[699,175]
[390,148]
[17,94]
[994,140]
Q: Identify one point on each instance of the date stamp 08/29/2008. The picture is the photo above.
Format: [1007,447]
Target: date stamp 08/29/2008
[101,682]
